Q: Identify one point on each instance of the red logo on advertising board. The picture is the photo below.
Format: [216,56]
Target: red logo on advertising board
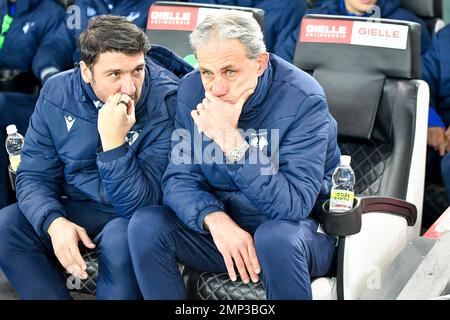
[172,18]
[326,31]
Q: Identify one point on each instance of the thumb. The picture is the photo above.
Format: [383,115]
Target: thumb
[85,238]
[240,103]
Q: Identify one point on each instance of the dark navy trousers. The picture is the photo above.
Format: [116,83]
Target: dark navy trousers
[15,108]
[29,262]
[289,253]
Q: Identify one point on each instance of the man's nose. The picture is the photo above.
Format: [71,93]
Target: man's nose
[218,88]
[127,86]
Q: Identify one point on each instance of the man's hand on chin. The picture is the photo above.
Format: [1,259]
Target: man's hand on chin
[218,119]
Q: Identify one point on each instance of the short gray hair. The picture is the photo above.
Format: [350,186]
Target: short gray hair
[231,24]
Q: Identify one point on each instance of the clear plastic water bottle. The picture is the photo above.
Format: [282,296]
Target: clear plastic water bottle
[14,143]
[342,192]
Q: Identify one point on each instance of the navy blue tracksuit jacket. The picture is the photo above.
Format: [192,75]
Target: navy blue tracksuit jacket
[436,72]
[36,43]
[281,22]
[288,100]
[390,9]
[62,152]
[30,43]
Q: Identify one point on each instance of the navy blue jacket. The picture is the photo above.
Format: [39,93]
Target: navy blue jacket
[390,9]
[134,10]
[30,44]
[436,71]
[291,102]
[281,22]
[62,152]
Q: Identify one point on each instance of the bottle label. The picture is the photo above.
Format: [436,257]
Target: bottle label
[14,160]
[341,200]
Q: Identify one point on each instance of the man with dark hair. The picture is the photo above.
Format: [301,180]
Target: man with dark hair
[95,152]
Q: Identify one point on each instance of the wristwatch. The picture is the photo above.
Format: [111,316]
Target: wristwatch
[236,153]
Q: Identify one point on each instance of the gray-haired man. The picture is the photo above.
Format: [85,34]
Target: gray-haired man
[249,207]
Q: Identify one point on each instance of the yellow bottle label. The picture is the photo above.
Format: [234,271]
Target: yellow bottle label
[14,160]
[341,200]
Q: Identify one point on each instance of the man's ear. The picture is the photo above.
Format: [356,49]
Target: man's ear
[86,73]
[263,62]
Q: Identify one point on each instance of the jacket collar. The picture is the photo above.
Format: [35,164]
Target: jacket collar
[261,91]
[169,60]
[388,7]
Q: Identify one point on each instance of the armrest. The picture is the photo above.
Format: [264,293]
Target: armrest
[364,251]
[349,223]
[391,206]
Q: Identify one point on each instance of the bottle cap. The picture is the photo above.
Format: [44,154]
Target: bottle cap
[346,160]
[11,129]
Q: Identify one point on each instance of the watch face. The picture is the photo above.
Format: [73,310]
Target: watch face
[237,153]
[234,155]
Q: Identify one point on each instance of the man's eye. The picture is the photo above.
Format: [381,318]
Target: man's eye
[207,74]
[114,75]
[231,73]
[139,70]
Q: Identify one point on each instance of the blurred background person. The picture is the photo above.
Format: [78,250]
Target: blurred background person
[436,72]
[29,54]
